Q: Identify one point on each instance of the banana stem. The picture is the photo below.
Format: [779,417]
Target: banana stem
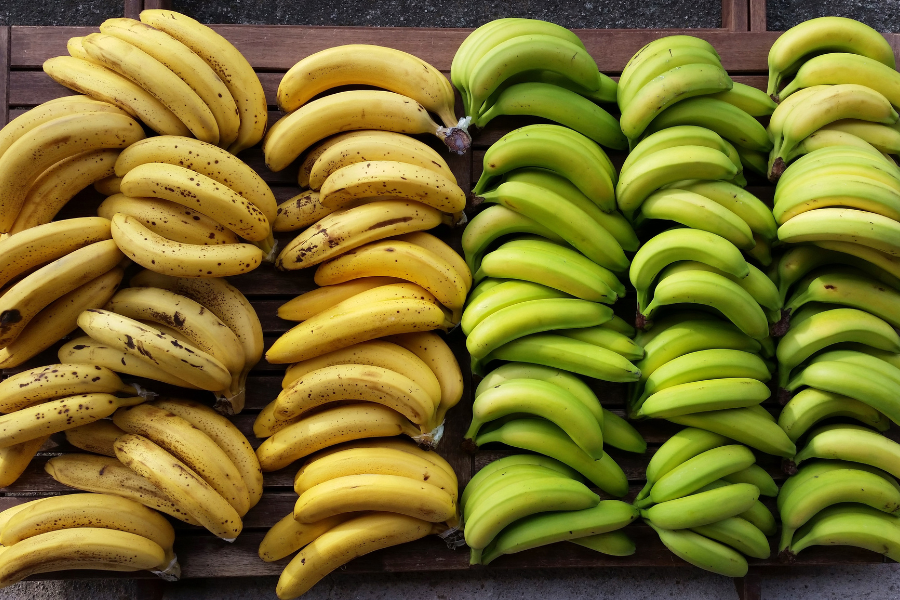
[269,246]
[232,401]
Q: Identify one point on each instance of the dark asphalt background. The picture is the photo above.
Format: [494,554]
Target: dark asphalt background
[884,15]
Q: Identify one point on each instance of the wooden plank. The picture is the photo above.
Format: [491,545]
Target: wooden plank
[148,4]
[734,15]
[757,16]
[4,75]
[133,8]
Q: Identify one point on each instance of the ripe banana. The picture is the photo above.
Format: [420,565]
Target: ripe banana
[825,34]
[98,437]
[727,120]
[743,425]
[395,443]
[86,351]
[328,427]
[849,525]
[299,212]
[59,184]
[288,535]
[558,149]
[105,84]
[51,142]
[305,306]
[228,63]
[15,459]
[180,483]
[752,101]
[696,212]
[810,406]
[41,384]
[435,353]
[169,220]
[25,299]
[701,470]
[108,185]
[702,508]
[442,249]
[153,251]
[543,437]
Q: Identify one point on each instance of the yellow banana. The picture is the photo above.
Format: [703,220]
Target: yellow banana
[97,437]
[57,381]
[15,459]
[289,535]
[308,305]
[301,211]
[435,353]
[108,185]
[170,220]
[442,249]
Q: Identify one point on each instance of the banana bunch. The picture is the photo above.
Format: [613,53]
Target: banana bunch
[702,499]
[53,151]
[192,333]
[525,501]
[176,75]
[679,80]
[176,456]
[184,208]
[356,498]
[85,531]
[850,499]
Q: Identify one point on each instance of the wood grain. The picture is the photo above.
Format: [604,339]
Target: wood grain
[757,15]
[734,15]
[4,75]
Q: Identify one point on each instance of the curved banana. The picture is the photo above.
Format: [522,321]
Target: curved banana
[839,191]
[846,287]
[310,304]
[843,225]
[703,365]
[41,384]
[288,535]
[743,425]
[810,406]
[752,101]
[669,54]
[51,142]
[799,261]
[703,552]
[703,508]
[328,427]
[680,135]
[228,63]
[699,471]
[97,437]
[862,446]
[58,185]
[825,34]
[738,533]
[604,337]
[727,120]
[105,84]
[849,525]
[703,396]
[434,352]
[394,443]
[885,262]
[169,220]
[299,212]
[757,476]
[15,459]
[679,448]
[695,211]
[883,138]
[757,284]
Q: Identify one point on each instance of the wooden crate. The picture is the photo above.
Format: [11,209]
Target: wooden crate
[743,44]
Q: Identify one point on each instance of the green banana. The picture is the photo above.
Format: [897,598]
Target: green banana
[837,190]
[757,284]
[748,207]
[696,212]
[702,396]
[486,472]
[679,448]
[701,470]
[727,120]
[702,508]
[847,287]
[757,476]
[662,59]
[603,337]
[703,552]
[850,525]
[809,406]
[836,68]
[614,543]
[681,135]
[706,364]
[853,444]
[752,101]
[502,295]
[495,222]
[738,533]
[743,425]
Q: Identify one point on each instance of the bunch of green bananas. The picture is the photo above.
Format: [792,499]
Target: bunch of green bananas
[702,498]
[527,500]
[679,80]
[843,88]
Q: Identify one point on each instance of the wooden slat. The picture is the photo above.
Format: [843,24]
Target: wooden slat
[757,15]
[133,8]
[734,15]
[4,75]
[148,4]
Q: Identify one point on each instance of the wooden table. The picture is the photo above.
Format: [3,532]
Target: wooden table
[743,44]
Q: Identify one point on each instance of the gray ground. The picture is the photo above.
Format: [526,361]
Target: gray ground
[860,583]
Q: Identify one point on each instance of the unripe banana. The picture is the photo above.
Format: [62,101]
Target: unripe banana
[703,552]
[752,101]
[727,120]
[694,473]
[744,425]
[696,212]
[703,508]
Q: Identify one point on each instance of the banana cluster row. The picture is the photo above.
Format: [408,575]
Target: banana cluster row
[679,80]
[176,456]
[84,531]
[184,208]
[525,501]
[356,498]
[192,333]
[177,76]
[53,151]
[49,274]
[702,499]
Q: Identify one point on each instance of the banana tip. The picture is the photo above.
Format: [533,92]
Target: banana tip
[469,445]
[778,168]
[789,467]
[781,327]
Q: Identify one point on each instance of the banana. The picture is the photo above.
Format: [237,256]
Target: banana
[810,406]
[360,109]
[510,475]
[727,120]
[435,353]
[849,525]
[862,446]
[683,244]
[680,135]
[541,399]
[834,487]
[839,191]
[849,160]
[558,149]
[328,427]
[552,266]
[358,382]
[206,159]
[375,146]
[678,449]
[702,508]
[754,161]
[883,138]
[169,220]
[97,437]
[228,63]
[106,475]
[543,437]
[542,529]
[701,470]
[696,212]
[757,284]
[371,135]
[568,220]
[348,229]
[829,137]
[162,83]
[607,338]
[752,101]
[883,261]
[668,88]
[702,552]
[832,327]
[45,243]
[51,142]
[798,261]
[613,543]
[703,396]
[492,473]
[41,384]
[713,290]
[136,339]
[344,542]
[106,85]
[181,483]
[176,259]
[299,212]
[80,548]
[825,34]
[442,249]
[667,166]
[756,475]
[193,447]
[15,459]
[288,535]
[557,104]
[664,44]
[192,69]
[399,444]
[372,461]
[310,304]
[25,299]
[662,59]
[846,287]
[843,225]
[533,316]
[704,365]
[743,425]
[617,225]
[58,185]
[739,534]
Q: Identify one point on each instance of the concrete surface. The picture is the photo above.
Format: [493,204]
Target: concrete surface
[883,15]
